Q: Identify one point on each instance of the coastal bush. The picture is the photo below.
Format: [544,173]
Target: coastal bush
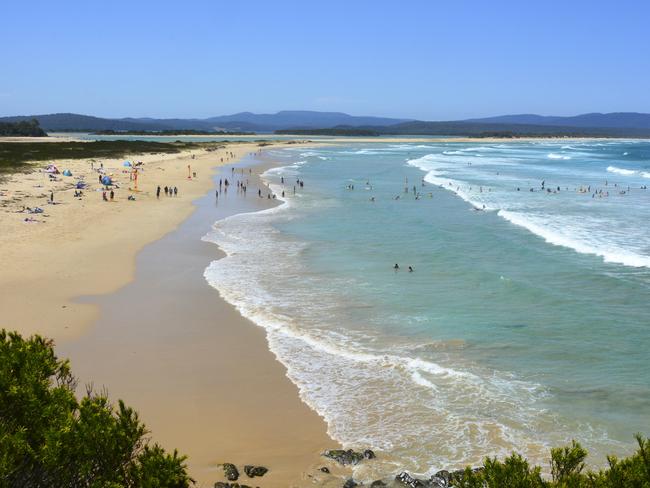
[23,128]
[48,437]
[567,471]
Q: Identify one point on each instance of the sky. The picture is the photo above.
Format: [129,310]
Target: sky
[431,60]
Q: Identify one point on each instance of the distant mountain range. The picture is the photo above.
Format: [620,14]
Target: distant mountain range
[623,124]
[617,119]
[244,121]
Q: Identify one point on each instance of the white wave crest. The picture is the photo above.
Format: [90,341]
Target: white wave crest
[558,156]
[554,234]
[621,171]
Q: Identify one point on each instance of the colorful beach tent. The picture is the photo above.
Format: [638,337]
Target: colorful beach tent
[67,172]
[106,180]
[126,163]
[52,169]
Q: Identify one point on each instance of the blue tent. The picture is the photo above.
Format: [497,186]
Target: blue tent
[106,180]
[126,163]
[67,172]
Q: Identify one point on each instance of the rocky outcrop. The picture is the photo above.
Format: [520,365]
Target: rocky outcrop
[253,471]
[230,471]
[350,483]
[407,480]
[348,457]
[442,479]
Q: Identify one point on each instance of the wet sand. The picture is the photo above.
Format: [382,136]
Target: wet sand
[200,375]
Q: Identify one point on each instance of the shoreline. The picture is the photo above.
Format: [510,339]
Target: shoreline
[320,139]
[242,406]
[201,359]
[86,245]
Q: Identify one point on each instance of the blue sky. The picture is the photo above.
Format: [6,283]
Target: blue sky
[431,60]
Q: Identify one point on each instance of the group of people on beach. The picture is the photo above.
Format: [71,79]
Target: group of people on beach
[169,191]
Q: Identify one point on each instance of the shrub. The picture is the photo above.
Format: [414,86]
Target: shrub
[50,438]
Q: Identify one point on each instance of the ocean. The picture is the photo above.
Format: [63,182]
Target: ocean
[524,324]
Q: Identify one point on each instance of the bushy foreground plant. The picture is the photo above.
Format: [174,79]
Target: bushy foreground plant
[567,471]
[49,438]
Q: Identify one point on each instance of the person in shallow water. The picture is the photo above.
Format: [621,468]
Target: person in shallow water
[396,267]
[410,269]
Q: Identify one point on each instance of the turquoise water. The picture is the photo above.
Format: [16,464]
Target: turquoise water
[525,323]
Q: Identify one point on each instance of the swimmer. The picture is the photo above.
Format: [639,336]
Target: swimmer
[410,269]
[396,267]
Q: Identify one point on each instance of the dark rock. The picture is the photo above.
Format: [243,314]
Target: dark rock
[350,483]
[344,457]
[230,470]
[325,469]
[377,483]
[437,483]
[252,471]
[441,479]
[408,480]
[369,454]
[221,484]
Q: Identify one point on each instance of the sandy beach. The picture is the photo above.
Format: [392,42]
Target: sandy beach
[201,376]
[86,245]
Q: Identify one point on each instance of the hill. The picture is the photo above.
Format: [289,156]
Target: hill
[611,120]
[303,119]
[483,129]
[76,122]
[244,121]
[623,124]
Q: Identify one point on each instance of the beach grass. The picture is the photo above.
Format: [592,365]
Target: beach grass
[18,156]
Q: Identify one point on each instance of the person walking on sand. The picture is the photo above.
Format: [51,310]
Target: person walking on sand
[158,192]
[216,194]
[166,190]
[175,191]
[112,195]
[51,197]
[104,196]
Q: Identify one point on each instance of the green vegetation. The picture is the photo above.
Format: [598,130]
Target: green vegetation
[179,132]
[15,155]
[23,128]
[50,438]
[567,471]
[336,131]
